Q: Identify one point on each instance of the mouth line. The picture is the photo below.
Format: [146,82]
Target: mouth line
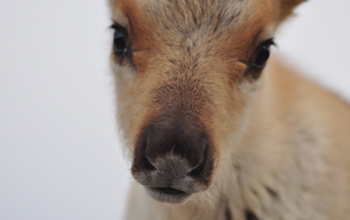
[169,191]
[168,194]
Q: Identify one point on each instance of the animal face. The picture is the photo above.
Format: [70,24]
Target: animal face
[185,74]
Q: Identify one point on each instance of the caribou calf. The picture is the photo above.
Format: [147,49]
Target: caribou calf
[217,128]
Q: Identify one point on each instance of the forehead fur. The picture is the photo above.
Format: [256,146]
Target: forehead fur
[189,15]
[185,15]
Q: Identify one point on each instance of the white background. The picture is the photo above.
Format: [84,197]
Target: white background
[60,157]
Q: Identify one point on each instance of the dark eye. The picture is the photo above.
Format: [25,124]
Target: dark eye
[120,40]
[262,54]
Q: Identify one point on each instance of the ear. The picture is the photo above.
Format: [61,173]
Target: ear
[286,8]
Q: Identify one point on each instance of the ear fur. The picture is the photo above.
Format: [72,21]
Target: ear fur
[286,8]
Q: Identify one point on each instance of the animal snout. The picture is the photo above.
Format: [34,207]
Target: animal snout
[173,160]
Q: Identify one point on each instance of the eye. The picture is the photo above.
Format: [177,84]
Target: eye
[263,54]
[119,40]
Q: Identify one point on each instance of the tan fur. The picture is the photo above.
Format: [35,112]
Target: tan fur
[281,142]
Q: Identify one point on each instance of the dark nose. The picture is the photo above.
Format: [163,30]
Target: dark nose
[174,157]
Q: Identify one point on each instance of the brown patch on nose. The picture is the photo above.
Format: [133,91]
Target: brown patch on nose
[181,138]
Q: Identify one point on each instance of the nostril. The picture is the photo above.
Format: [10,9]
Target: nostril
[200,167]
[196,171]
[147,164]
[140,155]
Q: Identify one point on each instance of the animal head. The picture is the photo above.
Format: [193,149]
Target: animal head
[185,74]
